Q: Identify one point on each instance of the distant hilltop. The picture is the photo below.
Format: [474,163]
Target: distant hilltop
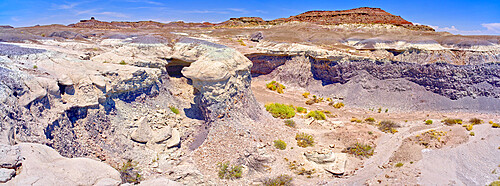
[363,15]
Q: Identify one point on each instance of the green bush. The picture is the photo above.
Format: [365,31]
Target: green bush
[495,183]
[304,140]
[280,144]
[428,122]
[399,164]
[301,110]
[290,123]
[475,121]
[275,86]
[280,110]
[129,173]
[122,62]
[174,110]
[450,122]
[360,150]
[227,171]
[495,125]
[35,67]
[318,115]
[282,180]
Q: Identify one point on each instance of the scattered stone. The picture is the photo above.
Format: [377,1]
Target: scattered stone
[338,167]
[162,135]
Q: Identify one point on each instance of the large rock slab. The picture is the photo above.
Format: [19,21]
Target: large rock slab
[42,165]
[10,156]
[6,174]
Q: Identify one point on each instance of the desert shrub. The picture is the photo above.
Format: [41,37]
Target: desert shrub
[241,42]
[379,110]
[468,127]
[282,180]
[388,126]
[129,173]
[399,164]
[495,125]
[360,150]
[35,67]
[329,99]
[428,122]
[370,119]
[495,183]
[275,86]
[318,115]
[490,122]
[472,134]
[174,110]
[122,62]
[475,121]
[338,105]
[355,120]
[306,94]
[449,121]
[280,110]
[227,171]
[280,144]
[290,123]
[304,140]
[301,110]
[386,110]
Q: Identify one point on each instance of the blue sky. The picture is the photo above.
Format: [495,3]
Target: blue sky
[456,16]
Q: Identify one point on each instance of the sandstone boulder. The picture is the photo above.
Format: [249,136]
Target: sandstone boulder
[175,139]
[6,174]
[257,36]
[143,133]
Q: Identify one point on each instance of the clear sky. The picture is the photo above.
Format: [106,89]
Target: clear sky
[456,16]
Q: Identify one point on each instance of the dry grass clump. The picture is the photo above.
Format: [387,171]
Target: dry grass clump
[298,168]
[275,86]
[280,144]
[304,140]
[388,126]
[337,105]
[227,171]
[315,99]
[318,115]
[495,125]
[449,121]
[306,94]
[428,122]
[129,173]
[360,150]
[370,119]
[468,127]
[355,120]
[475,121]
[290,123]
[399,164]
[122,62]
[431,138]
[282,180]
[281,110]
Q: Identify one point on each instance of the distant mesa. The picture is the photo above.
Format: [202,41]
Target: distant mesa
[363,15]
